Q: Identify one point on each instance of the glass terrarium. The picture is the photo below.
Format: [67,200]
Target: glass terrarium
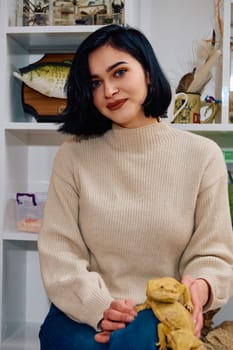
[100,12]
[34,13]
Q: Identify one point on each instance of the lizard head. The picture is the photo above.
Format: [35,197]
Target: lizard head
[164,289]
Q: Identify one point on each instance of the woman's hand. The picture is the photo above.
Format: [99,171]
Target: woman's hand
[199,290]
[119,313]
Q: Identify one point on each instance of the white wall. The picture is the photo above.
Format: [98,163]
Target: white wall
[176,30]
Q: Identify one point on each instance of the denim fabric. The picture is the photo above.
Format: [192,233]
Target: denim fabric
[58,332]
[141,334]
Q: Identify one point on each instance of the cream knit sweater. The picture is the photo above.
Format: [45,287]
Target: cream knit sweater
[129,206]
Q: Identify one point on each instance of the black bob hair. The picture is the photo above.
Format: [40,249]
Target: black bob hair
[80,116]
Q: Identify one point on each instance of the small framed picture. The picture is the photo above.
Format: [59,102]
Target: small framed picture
[92,10]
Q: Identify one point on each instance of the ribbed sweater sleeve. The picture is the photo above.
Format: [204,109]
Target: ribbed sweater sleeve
[209,252]
[81,293]
[132,205]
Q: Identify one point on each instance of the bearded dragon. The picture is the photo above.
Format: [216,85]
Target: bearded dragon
[171,303]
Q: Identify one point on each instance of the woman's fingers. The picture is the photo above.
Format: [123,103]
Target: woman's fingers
[119,313]
[196,297]
[117,316]
[102,337]
[124,306]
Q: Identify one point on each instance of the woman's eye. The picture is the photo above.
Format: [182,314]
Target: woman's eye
[95,84]
[120,72]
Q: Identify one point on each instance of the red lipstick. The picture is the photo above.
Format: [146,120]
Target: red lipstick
[116,104]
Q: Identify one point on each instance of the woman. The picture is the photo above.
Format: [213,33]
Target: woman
[130,199]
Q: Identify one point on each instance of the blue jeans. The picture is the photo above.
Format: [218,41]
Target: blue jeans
[58,332]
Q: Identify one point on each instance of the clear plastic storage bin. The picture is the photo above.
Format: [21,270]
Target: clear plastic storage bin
[29,211]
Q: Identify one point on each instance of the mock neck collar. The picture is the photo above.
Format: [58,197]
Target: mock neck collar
[137,139]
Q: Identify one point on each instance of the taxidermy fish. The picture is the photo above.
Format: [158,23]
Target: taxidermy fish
[48,78]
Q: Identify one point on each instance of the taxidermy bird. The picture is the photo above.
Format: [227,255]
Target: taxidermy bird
[207,56]
[185,81]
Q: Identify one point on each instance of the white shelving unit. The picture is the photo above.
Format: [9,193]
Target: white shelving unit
[27,150]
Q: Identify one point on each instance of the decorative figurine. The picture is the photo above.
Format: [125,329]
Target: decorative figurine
[117,6]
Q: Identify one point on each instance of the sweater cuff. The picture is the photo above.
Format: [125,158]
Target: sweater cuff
[99,327]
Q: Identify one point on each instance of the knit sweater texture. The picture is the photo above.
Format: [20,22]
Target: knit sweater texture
[129,206]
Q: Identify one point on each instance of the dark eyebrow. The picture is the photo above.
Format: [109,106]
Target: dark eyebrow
[115,65]
[111,68]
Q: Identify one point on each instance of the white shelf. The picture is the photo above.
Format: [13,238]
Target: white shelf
[25,338]
[20,236]
[221,134]
[51,29]
[32,127]
[204,127]
[50,38]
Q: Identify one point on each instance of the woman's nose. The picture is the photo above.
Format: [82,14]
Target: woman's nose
[110,90]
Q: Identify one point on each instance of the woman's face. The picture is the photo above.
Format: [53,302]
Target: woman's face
[119,86]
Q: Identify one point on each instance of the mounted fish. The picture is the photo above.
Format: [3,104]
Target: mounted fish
[48,78]
[43,86]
